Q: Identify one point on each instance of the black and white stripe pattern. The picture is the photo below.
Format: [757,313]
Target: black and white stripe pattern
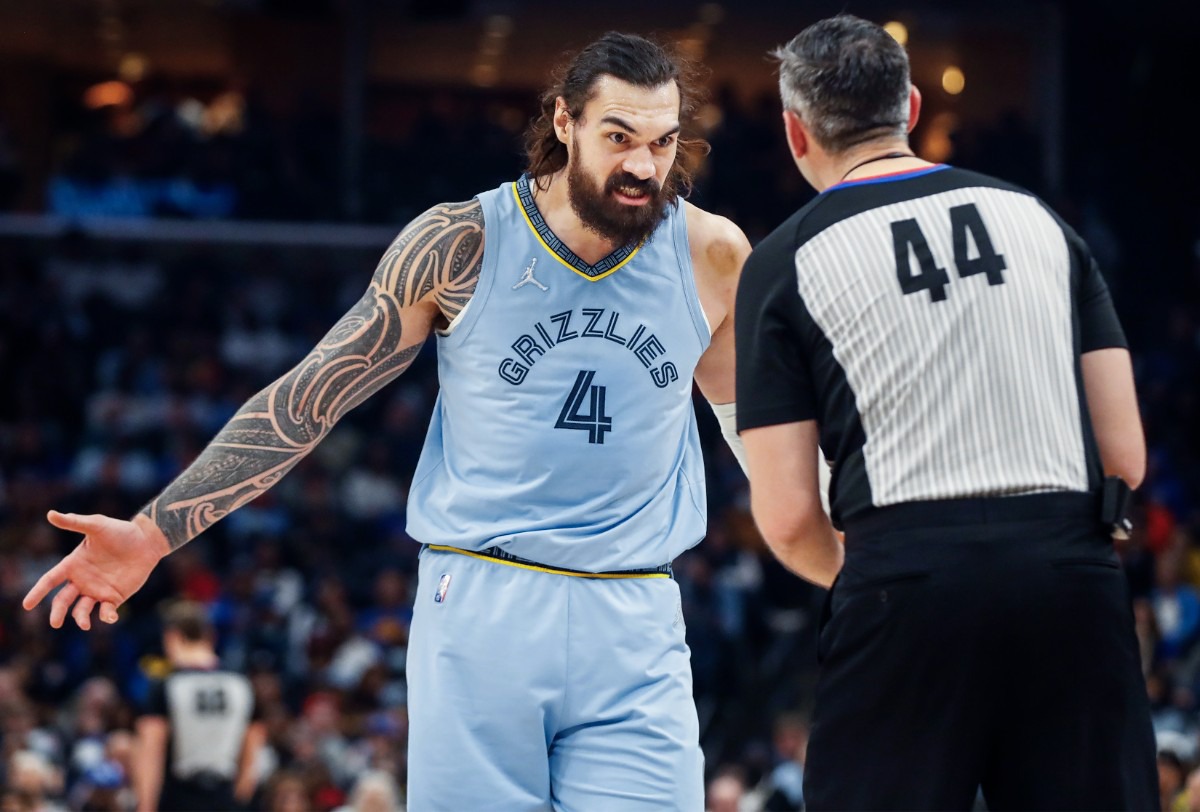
[973,395]
[209,712]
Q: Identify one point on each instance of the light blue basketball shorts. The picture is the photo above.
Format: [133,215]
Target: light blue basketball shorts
[533,690]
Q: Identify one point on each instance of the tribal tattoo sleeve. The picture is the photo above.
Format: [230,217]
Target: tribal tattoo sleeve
[434,261]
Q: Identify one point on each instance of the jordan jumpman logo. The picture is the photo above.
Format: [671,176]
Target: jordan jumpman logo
[527,277]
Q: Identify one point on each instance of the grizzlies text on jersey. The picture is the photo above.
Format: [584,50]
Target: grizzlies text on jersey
[582,375]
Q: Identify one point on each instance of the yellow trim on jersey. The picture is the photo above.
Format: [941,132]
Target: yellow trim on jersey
[553,253]
[551,570]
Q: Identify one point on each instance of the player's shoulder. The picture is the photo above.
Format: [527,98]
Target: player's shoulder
[715,241]
[708,229]
[448,228]
[466,213]
[440,250]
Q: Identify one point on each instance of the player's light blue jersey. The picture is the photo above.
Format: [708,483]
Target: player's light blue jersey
[564,432]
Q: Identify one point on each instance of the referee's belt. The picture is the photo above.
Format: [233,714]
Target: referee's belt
[501,557]
[204,780]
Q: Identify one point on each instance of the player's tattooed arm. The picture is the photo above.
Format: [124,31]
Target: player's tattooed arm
[426,277]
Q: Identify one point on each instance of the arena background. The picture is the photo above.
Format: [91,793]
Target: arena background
[192,191]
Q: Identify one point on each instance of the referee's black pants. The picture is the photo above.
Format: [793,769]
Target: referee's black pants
[982,643]
[201,793]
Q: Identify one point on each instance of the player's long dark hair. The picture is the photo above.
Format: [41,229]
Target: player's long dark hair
[632,59]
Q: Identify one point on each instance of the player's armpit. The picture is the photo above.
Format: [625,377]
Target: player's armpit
[426,275]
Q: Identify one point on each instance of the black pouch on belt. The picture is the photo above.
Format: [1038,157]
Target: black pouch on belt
[1115,498]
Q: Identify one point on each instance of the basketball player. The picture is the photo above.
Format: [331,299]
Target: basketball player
[951,344]
[562,470]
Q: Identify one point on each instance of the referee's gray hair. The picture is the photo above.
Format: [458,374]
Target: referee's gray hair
[847,79]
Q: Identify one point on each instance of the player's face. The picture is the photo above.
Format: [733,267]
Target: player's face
[621,151]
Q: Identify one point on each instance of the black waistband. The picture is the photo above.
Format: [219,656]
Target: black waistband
[1083,507]
[502,555]
[203,780]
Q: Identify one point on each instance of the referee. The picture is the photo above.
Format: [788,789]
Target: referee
[198,735]
[950,344]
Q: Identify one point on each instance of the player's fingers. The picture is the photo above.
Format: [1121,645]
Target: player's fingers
[83,612]
[77,522]
[108,611]
[62,602]
[44,586]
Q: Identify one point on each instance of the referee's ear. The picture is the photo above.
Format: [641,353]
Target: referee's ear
[914,106]
[797,135]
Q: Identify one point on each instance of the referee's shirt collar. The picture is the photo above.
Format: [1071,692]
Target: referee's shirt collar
[889,177]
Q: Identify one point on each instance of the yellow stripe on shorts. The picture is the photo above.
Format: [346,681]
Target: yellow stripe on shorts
[542,568]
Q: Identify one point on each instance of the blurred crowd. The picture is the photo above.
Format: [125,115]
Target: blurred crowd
[120,365]
[120,359]
[166,154]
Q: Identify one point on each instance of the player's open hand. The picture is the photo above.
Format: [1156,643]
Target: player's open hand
[111,563]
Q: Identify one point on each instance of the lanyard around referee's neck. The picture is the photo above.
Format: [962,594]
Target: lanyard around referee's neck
[887,157]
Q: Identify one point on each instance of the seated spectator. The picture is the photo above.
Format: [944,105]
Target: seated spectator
[387,619]
[783,788]
[34,778]
[374,791]
[1171,774]
[726,791]
[1176,606]
[1189,799]
[288,793]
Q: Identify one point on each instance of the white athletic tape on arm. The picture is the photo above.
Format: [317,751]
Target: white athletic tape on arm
[824,476]
[727,418]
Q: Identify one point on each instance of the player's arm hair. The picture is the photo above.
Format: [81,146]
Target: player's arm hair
[246,780]
[150,760]
[427,274]
[1112,404]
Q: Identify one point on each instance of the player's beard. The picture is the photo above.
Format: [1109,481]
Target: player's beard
[600,212]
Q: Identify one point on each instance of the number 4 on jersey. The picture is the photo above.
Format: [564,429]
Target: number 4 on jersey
[966,226]
[595,422]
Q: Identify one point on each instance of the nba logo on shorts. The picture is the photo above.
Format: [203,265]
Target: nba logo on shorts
[443,585]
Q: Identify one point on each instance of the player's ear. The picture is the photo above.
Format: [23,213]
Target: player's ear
[797,135]
[562,119]
[914,106]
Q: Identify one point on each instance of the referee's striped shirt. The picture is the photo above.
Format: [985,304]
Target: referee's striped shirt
[932,323]
[208,711]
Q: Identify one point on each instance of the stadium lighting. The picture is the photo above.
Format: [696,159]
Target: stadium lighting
[898,30]
[953,80]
